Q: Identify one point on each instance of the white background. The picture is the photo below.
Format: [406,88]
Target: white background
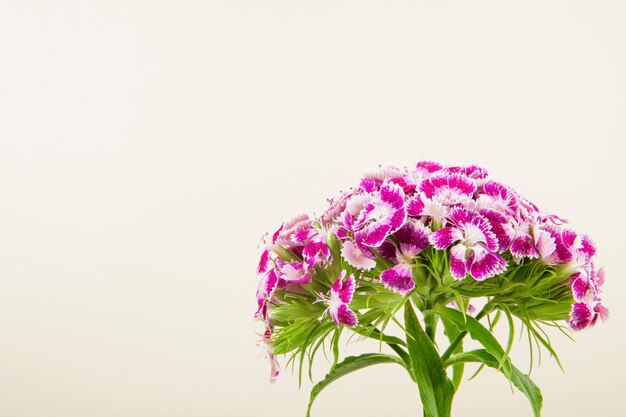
[145,146]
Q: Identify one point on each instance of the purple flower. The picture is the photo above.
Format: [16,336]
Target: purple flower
[586,314]
[358,257]
[412,238]
[340,296]
[437,194]
[475,248]
[373,216]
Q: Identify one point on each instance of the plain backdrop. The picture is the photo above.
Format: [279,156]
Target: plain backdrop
[145,147]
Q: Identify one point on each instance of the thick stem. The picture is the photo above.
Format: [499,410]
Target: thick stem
[430,324]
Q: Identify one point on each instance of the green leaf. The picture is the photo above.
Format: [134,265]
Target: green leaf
[436,389]
[392,341]
[479,333]
[519,379]
[348,365]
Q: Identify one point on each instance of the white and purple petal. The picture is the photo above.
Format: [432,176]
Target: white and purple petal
[458,257]
[581,316]
[413,238]
[444,237]
[523,245]
[425,168]
[398,279]
[373,235]
[580,286]
[264,262]
[294,272]
[343,315]
[344,290]
[357,257]
[486,264]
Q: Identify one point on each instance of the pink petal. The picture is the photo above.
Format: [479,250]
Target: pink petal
[485,264]
[317,252]
[356,257]
[580,316]
[294,272]
[524,246]
[338,284]
[346,291]
[544,242]
[444,237]
[373,235]
[428,167]
[472,171]
[343,315]
[392,194]
[454,186]
[368,185]
[458,255]
[500,227]
[387,250]
[398,279]
[580,286]
[588,248]
[602,312]
[415,206]
[264,262]
[413,238]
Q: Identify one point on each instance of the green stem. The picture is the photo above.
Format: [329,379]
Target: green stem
[430,324]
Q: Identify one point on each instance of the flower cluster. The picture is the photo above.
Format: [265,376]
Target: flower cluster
[479,227]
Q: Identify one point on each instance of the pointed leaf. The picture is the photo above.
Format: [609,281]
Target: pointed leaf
[436,389]
[479,333]
[519,379]
[348,365]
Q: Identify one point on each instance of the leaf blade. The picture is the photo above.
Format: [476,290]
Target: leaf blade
[436,389]
[349,365]
[517,377]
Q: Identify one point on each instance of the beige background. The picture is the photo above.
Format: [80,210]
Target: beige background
[146,145]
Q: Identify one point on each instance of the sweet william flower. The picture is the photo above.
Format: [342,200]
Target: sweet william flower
[473,246]
[340,296]
[373,216]
[412,238]
[358,257]
[427,238]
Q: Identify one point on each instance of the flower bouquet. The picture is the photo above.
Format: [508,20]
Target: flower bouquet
[436,239]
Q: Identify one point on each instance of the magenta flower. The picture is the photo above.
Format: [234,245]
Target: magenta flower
[358,257]
[439,193]
[586,314]
[412,238]
[372,216]
[341,294]
[476,246]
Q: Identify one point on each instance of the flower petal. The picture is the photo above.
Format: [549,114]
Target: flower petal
[373,235]
[580,285]
[524,246]
[264,262]
[294,272]
[458,256]
[413,238]
[343,315]
[485,264]
[347,290]
[444,237]
[356,257]
[580,316]
[398,279]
